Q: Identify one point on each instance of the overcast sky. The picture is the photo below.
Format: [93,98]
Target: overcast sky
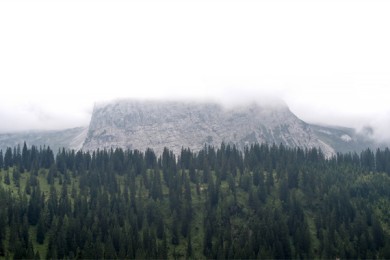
[328,60]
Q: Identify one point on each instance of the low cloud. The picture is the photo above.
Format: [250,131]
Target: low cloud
[381,126]
[73,112]
[34,117]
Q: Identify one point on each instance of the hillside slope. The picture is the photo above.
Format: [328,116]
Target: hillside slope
[69,139]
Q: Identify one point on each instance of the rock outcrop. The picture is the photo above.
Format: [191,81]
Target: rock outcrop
[131,124]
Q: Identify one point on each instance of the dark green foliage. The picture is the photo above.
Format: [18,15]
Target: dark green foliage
[1,159]
[189,247]
[156,191]
[8,158]
[7,179]
[41,231]
[267,202]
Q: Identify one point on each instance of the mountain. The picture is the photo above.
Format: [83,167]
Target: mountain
[343,139]
[69,138]
[138,125]
[135,124]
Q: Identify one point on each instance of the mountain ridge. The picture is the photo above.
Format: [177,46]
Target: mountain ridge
[142,124]
[71,138]
[134,124]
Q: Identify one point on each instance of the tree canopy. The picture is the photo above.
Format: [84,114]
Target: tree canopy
[267,201]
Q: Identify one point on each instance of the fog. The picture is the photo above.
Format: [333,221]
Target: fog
[318,107]
[327,60]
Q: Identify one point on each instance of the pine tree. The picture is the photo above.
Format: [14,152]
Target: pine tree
[25,157]
[174,227]
[7,179]
[1,159]
[189,246]
[8,158]
[40,231]
[156,185]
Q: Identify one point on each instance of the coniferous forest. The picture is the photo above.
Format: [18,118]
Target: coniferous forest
[268,201]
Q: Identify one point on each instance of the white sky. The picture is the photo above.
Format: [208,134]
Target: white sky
[329,60]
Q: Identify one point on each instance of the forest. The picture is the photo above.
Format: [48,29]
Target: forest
[268,201]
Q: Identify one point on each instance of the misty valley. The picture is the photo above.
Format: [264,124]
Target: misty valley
[267,201]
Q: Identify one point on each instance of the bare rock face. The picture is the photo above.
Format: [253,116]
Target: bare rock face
[131,124]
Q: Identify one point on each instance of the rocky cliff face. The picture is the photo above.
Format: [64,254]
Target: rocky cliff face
[138,125]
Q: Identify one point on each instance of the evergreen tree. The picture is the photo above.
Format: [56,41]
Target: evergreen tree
[25,157]
[175,232]
[262,203]
[7,179]
[189,247]
[8,158]
[156,186]
[1,159]
[40,231]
